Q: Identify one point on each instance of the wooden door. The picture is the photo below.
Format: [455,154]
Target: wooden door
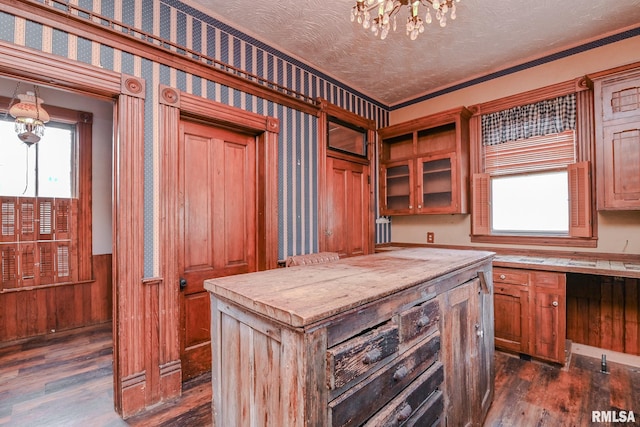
[217,181]
[348,215]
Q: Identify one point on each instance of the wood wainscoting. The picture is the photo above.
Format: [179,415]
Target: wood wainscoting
[604,312]
[28,313]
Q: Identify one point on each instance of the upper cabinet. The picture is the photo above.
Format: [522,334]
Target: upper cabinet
[617,113]
[424,165]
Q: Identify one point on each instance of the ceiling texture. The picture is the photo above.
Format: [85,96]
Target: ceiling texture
[486,37]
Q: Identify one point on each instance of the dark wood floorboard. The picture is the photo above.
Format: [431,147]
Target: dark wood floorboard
[531,393]
[66,380]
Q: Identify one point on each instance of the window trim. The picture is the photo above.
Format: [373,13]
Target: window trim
[83,240]
[587,236]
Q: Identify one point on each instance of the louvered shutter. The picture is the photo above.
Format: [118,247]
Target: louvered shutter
[46,217]
[63,218]
[29,274]
[579,200]
[481,197]
[28,216]
[8,219]
[8,266]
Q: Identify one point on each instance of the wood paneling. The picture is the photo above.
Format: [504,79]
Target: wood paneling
[604,312]
[31,312]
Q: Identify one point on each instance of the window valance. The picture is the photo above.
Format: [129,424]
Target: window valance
[541,118]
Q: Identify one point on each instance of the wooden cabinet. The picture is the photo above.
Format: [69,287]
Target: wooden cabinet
[424,165]
[384,339]
[617,102]
[530,312]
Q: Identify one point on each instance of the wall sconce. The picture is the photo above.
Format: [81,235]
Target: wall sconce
[30,116]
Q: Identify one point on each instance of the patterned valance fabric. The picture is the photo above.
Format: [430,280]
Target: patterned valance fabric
[542,118]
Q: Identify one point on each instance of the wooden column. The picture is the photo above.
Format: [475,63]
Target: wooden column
[130,372]
[169,317]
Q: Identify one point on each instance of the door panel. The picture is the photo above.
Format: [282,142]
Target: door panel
[348,217]
[217,182]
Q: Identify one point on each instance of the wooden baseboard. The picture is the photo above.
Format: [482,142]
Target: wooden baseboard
[611,356]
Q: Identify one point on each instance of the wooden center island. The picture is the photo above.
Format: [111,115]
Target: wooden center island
[397,338]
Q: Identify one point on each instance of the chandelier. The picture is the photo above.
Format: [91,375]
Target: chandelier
[30,116]
[380,15]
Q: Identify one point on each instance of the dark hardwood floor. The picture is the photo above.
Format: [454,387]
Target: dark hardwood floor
[65,379]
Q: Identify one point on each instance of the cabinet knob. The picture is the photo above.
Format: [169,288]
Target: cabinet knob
[404,413]
[410,206]
[400,373]
[502,276]
[419,206]
[423,321]
[555,303]
[372,356]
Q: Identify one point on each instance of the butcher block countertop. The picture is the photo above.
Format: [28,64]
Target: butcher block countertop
[598,266]
[300,296]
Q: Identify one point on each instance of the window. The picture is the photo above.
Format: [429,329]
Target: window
[535,203]
[532,185]
[45,203]
[346,137]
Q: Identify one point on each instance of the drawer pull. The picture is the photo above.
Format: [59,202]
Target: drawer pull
[372,356]
[502,277]
[423,321]
[404,413]
[400,373]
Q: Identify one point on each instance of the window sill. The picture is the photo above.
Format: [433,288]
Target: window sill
[577,242]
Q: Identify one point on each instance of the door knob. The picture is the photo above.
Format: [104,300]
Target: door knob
[183,283]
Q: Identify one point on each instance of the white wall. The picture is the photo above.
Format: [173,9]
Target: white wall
[618,232]
[102,152]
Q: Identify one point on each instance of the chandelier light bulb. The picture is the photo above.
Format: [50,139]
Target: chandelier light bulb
[436,4]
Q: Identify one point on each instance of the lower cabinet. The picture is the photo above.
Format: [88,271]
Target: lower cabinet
[421,356]
[530,312]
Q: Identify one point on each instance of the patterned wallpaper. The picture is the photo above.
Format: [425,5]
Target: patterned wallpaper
[191,29]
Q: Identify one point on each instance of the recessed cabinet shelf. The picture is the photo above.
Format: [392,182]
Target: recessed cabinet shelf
[424,164]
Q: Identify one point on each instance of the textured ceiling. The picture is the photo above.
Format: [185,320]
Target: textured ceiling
[486,37]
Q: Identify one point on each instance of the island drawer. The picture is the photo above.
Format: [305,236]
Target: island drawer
[382,386]
[419,404]
[419,321]
[360,355]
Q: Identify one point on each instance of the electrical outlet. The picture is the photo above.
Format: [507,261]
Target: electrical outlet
[430,237]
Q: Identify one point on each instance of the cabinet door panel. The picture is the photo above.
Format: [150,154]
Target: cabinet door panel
[621,156]
[511,309]
[549,343]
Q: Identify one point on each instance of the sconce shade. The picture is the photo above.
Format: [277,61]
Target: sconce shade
[30,118]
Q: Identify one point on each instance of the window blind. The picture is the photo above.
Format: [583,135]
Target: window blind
[534,154]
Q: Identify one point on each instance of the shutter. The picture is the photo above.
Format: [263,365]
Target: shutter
[481,197]
[28,223]
[9,219]
[46,214]
[63,263]
[579,200]
[63,215]
[46,260]
[28,268]
[8,266]
[531,155]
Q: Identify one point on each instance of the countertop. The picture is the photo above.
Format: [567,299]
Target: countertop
[598,266]
[299,296]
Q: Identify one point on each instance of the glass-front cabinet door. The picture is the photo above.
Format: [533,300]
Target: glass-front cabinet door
[397,181]
[436,185]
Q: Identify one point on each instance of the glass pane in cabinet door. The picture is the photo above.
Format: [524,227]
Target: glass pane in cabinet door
[398,187]
[436,183]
